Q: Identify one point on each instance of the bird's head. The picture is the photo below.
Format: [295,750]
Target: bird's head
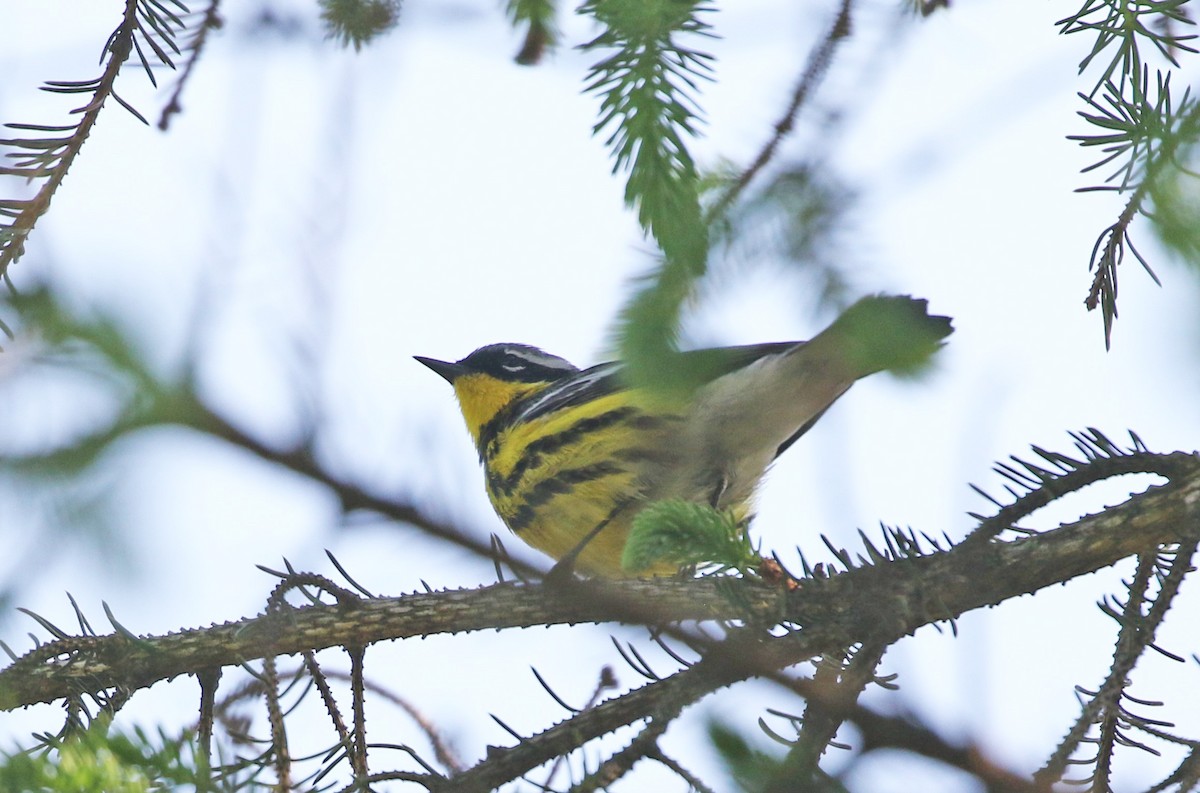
[493,377]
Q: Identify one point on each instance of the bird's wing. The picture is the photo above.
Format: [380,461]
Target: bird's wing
[729,359]
[575,389]
[718,361]
[606,378]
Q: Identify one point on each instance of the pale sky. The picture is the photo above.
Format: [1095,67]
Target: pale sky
[427,196]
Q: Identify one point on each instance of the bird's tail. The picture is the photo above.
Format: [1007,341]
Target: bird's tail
[886,333]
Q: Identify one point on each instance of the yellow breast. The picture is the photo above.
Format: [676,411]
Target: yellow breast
[555,478]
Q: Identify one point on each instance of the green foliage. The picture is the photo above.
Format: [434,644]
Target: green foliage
[756,771]
[95,345]
[889,333]
[1176,216]
[1143,133]
[98,351]
[1122,28]
[67,474]
[751,769]
[647,87]
[358,22]
[682,533]
[1151,139]
[542,33]
[99,760]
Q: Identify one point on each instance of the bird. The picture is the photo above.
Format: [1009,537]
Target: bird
[570,456]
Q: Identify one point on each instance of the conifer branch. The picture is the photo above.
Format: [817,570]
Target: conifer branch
[1141,130]
[1107,708]
[840,610]
[148,29]
[647,89]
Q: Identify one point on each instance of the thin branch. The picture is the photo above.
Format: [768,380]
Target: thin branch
[819,61]
[195,47]
[302,460]
[327,699]
[694,782]
[1135,637]
[823,716]
[358,759]
[881,732]
[279,745]
[1107,254]
[209,678]
[643,746]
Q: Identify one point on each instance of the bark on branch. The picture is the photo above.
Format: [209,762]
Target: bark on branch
[880,602]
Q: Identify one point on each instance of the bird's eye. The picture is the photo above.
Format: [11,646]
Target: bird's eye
[513,363]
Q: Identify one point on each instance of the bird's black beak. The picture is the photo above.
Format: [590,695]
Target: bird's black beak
[449,371]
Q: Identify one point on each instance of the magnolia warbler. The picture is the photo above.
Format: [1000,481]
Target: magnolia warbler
[570,456]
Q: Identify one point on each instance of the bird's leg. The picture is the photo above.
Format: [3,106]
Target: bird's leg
[719,488]
[564,568]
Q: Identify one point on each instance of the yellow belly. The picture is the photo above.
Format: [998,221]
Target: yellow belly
[555,479]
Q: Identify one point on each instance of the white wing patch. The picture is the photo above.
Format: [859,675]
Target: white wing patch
[562,393]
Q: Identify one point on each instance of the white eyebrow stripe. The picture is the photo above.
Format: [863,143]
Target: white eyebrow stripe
[538,357]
